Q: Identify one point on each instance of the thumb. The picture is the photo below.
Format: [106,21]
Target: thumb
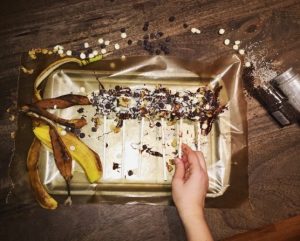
[179,169]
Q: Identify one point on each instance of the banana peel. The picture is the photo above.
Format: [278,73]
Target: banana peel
[82,154]
[41,195]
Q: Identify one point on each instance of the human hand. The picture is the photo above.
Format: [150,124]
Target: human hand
[190,183]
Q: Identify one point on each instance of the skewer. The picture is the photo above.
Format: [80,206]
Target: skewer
[123,148]
[104,145]
[180,138]
[141,147]
[164,148]
[198,136]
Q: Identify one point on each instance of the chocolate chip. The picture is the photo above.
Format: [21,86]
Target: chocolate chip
[81,135]
[80,110]
[129,42]
[145,28]
[130,173]
[172,19]
[158,124]
[116,165]
[107,105]
[157,52]
[118,88]
[185,25]
[144,147]
[122,30]
[106,145]
[94,129]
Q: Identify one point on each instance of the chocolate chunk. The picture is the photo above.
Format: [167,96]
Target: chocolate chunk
[171,19]
[80,110]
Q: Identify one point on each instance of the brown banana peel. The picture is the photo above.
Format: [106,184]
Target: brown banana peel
[41,195]
[82,154]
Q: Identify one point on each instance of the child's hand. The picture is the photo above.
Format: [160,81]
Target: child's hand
[190,182]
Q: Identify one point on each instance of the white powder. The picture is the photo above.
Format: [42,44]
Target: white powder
[264,70]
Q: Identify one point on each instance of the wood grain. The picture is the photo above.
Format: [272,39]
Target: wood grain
[271,27]
[281,231]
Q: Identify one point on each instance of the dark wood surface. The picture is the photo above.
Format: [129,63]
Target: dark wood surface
[287,229]
[274,163]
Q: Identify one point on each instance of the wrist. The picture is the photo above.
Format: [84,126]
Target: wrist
[190,215]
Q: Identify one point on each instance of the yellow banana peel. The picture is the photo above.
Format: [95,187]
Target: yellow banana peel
[86,157]
[41,195]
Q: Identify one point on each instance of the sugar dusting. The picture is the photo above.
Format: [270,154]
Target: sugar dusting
[264,71]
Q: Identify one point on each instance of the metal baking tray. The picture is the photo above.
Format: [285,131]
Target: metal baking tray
[139,174]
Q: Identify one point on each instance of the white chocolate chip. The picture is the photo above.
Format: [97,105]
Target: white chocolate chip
[100,41]
[237,42]
[72,148]
[117,46]
[82,89]
[235,47]
[248,64]
[86,45]
[193,30]
[123,57]
[226,41]
[91,55]
[69,52]
[63,132]
[55,107]
[60,51]
[112,65]
[123,35]
[103,51]
[204,126]
[241,51]
[82,56]
[106,42]
[221,31]
[95,52]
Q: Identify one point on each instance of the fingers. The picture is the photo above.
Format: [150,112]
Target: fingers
[179,170]
[191,156]
[201,159]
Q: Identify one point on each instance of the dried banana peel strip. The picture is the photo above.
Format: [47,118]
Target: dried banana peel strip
[41,195]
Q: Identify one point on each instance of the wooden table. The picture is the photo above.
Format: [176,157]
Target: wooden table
[270,27]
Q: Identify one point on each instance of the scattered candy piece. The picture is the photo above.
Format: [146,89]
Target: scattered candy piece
[241,51]
[112,65]
[60,51]
[248,64]
[221,31]
[69,52]
[82,56]
[226,41]
[82,89]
